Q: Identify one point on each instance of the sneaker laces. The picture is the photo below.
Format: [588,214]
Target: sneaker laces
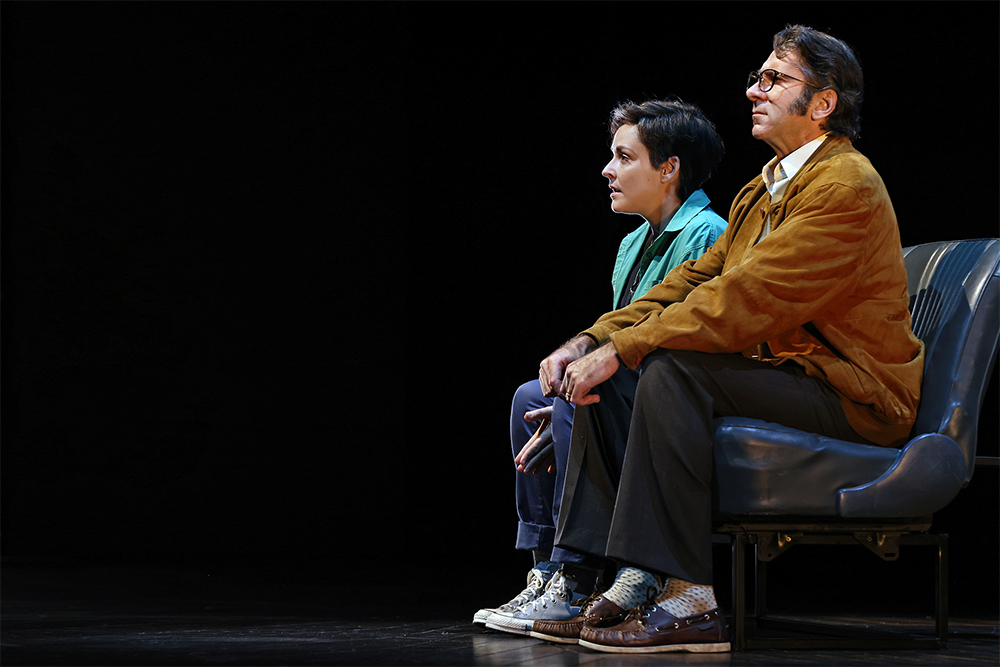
[557,588]
[532,592]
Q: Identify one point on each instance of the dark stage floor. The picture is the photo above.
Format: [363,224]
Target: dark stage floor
[103,615]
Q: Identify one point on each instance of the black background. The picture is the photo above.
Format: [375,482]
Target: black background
[272,271]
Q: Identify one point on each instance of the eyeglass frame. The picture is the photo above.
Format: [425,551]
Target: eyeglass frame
[757,74]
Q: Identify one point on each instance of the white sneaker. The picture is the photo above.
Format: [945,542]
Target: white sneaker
[555,604]
[537,579]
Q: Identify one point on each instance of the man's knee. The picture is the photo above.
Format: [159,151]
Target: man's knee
[661,359]
[669,366]
[659,369]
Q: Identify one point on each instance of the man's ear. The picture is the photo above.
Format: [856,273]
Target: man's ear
[670,168]
[824,104]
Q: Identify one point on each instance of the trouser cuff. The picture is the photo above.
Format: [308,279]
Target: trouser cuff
[533,537]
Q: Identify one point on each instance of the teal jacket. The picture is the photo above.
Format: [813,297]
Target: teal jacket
[697,227]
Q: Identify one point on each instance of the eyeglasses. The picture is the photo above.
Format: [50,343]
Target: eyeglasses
[766,78]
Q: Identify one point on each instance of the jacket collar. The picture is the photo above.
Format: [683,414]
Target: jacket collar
[692,206]
[832,146]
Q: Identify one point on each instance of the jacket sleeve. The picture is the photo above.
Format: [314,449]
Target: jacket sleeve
[809,260]
[675,286]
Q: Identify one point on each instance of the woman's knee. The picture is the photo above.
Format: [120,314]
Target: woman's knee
[528,397]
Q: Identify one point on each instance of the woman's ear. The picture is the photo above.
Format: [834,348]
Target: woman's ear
[670,168]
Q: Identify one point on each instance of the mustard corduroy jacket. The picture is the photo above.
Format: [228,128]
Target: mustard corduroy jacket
[825,289]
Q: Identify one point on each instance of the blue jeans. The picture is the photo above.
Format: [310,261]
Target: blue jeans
[539,496]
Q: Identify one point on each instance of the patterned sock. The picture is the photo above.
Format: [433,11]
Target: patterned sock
[681,599]
[632,587]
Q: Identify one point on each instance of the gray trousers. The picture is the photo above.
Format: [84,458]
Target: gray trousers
[638,484]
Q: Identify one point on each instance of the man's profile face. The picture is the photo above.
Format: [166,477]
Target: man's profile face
[775,116]
[635,185]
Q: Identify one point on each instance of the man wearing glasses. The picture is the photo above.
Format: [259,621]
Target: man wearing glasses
[797,315]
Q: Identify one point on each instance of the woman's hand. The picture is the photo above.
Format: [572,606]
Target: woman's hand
[537,442]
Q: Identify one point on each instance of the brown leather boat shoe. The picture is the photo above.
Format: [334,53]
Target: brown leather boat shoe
[596,611]
[650,629]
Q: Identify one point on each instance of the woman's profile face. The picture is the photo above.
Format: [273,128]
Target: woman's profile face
[636,187]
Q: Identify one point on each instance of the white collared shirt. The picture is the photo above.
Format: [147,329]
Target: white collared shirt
[777,173]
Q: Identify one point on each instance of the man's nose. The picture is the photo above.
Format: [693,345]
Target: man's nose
[753,92]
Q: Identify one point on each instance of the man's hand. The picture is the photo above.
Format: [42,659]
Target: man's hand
[541,438]
[553,367]
[587,372]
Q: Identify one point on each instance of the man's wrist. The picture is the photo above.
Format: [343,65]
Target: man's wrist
[610,348]
[584,344]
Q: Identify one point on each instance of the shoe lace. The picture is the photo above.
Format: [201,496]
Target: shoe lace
[643,610]
[558,588]
[590,599]
[530,593]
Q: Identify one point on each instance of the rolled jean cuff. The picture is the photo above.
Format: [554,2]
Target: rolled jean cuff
[532,536]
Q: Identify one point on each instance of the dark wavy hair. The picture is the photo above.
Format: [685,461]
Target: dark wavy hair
[828,63]
[672,127]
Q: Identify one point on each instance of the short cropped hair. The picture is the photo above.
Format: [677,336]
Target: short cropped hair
[672,127]
[828,63]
